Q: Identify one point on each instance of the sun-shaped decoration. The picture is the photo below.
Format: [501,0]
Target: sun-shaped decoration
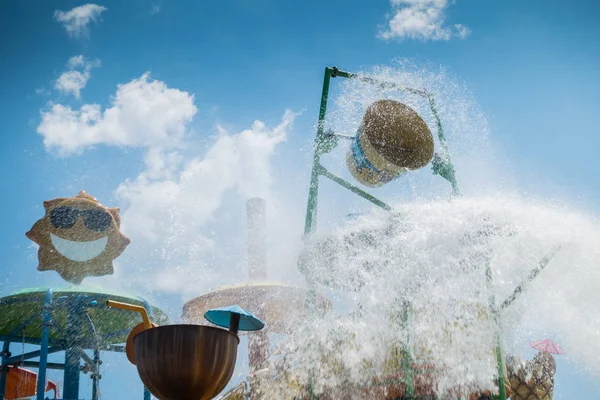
[78,237]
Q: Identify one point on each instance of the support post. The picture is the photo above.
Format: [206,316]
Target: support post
[407,367]
[324,143]
[47,316]
[32,354]
[71,376]
[442,165]
[49,365]
[313,192]
[498,347]
[256,214]
[532,275]
[4,369]
[72,353]
[96,375]
[354,189]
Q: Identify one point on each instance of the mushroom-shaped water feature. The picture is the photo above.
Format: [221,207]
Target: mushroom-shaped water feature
[188,362]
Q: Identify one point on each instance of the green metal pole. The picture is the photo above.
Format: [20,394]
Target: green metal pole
[449,168]
[438,123]
[407,368]
[377,82]
[311,209]
[532,275]
[322,145]
[495,314]
[445,169]
[323,171]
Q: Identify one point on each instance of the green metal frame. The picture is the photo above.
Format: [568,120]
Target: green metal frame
[325,142]
[48,309]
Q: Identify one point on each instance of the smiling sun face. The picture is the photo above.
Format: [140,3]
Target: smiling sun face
[78,237]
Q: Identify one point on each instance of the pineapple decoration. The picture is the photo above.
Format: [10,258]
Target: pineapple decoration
[534,380]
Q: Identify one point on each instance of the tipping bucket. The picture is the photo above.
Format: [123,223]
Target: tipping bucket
[392,139]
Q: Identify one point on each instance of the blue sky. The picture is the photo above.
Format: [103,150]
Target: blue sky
[532,68]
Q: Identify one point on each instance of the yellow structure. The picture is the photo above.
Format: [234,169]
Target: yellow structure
[78,237]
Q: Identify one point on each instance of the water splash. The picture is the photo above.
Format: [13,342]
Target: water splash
[480,165]
[428,258]
[432,257]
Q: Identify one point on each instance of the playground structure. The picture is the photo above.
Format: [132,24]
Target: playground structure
[391,141]
[64,320]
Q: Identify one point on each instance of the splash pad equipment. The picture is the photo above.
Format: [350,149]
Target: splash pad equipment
[197,361]
[22,383]
[74,321]
[392,139]
[405,374]
[188,362]
[77,237]
[280,305]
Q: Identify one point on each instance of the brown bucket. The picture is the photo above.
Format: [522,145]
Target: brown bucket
[392,139]
[185,362]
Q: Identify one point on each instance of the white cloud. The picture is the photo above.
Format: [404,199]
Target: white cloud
[192,191]
[77,75]
[462,31]
[76,61]
[76,20]
[171,205]
[169,210]
[155,9]
[421,19]
[143,113]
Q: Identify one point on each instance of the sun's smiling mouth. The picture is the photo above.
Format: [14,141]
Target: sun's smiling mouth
[79,251]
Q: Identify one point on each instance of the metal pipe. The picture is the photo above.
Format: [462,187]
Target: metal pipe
[36,364]
[132,307]
[96,375]
[377,82]
[323,171]
[47,316]
[532,275]
[71,376]
[446,156]
[113,348]
[72,353]
[313,192]
[496,316]
[36,341]
[234,323]
[30,355]
[407,367]
[86,359]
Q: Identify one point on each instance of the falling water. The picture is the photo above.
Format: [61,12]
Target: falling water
[427,260]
